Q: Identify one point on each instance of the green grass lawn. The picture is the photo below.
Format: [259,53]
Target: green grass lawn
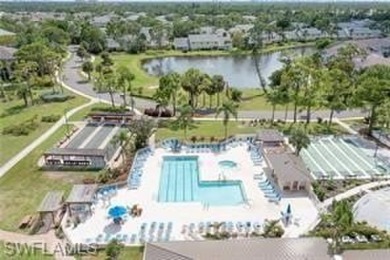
[24,186]
[81,114]
[208,129]
[14,112]
[127,253]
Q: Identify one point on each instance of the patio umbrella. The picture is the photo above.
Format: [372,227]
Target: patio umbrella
[288,211]
[117,211]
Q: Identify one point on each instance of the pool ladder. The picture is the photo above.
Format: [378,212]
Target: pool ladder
[206,206]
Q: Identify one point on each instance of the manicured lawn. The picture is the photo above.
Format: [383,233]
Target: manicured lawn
[127,253]
[14,112]
[81,114]
[24,186]
[208,129]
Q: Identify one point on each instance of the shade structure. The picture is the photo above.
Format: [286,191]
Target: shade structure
[288,211]
[117,211]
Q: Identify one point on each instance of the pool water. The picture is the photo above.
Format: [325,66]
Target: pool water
[179,182]
[227,165]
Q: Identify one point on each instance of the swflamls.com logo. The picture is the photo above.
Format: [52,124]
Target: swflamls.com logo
[41,248]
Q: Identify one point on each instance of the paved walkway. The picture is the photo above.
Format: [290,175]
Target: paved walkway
[354,191]
[74,79]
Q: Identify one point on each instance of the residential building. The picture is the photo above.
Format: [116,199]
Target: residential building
[209,41]
[243,28]
[248,249]
[153,41]
[363,33]
[181,44]
[101,21]
[311,33]
[113,45]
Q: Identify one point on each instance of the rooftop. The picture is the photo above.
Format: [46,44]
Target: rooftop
[288,167]
[82,193]
[75,152]
[271,248]
[377,254]
[269,135]
[51,202]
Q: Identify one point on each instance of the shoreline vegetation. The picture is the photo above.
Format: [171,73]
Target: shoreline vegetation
[144,84]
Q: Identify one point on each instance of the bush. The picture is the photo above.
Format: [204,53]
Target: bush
[23,128]
[54,97]
[155,112]
[50,118]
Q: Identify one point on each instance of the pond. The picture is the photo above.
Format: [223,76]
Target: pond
[238,71]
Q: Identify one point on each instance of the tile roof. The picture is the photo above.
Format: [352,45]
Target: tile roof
[248,249]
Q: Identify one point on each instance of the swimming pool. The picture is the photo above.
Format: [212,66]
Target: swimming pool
[179,182]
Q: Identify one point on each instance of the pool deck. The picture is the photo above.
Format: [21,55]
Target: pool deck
[257,210]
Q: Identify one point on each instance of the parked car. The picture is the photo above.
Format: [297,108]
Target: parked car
[361,239]
[347,240]
[376,238]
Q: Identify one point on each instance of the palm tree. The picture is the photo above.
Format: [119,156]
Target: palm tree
[228,108]
[121,139]
[184,121]
[218,84]
[299,139]
[171,84]
[192,80]
[125,77]
[256,35]
[205,86]
[162,99]
[272,228]
[374,90]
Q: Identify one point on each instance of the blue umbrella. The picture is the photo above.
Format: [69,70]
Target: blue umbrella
[288,211]
[117,211]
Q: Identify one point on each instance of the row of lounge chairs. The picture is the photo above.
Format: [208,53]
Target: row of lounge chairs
[256,157]
[203,228]
[269,191]
[137,169]
[155,233]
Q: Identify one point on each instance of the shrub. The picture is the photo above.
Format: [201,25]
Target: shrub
[50,118]
[319,120]
[155,112]
[55,97]
[193,138]
[23,128]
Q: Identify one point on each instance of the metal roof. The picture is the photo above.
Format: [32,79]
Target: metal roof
[248,249]
[377,254]
[288,167]
[5,33]
[269,135]
[75,152]
[82,193]
[51,202]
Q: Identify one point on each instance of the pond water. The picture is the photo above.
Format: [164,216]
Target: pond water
[238,71]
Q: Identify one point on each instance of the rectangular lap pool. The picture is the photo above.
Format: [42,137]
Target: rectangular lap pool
[179,182]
